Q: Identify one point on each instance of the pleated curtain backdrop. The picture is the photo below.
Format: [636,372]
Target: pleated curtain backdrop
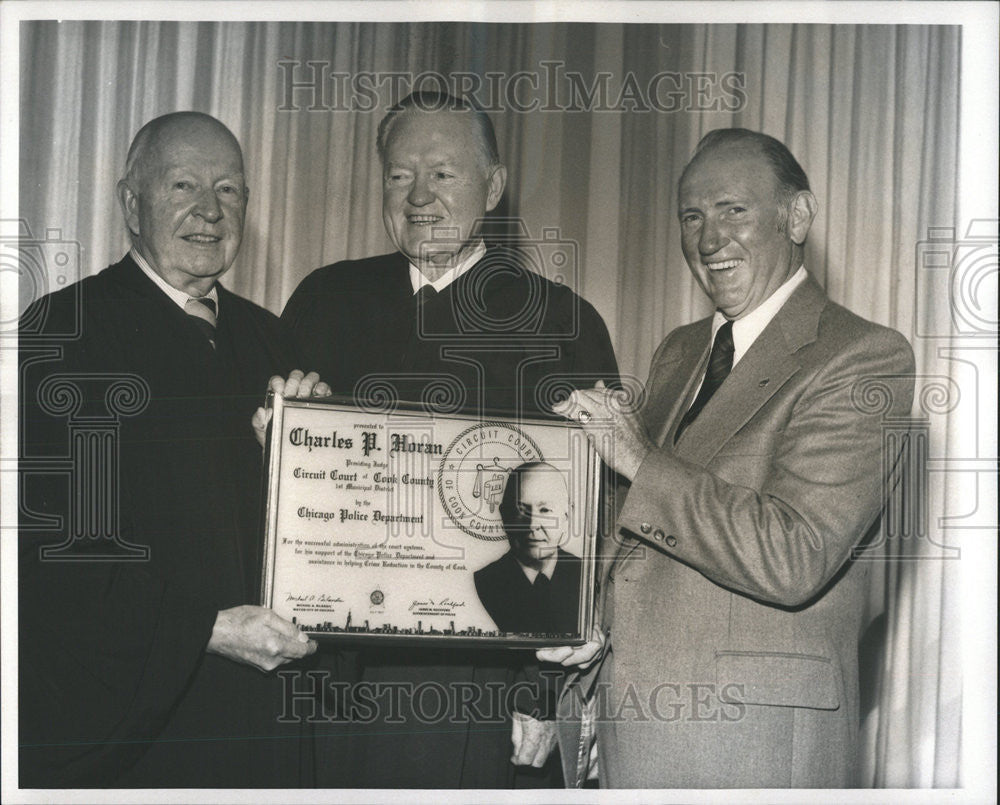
[870,111]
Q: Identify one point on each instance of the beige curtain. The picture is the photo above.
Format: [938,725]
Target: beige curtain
[870,111]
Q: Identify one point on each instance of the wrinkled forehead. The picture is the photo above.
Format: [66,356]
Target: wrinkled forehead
[543,486]
[446,132]
[194,145]
[732,167]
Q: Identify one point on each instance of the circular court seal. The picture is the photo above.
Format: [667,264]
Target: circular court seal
[473,473]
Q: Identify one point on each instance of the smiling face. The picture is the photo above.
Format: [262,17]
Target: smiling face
[436,187]
[740,238]
[185,202]
[538,521]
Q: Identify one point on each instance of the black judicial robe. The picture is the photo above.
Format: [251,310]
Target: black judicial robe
[514,605]
[115,686]
[500,337]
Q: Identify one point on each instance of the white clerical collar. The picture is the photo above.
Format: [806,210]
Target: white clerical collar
[179,297]
[746,329]
[418,280]
[548,568]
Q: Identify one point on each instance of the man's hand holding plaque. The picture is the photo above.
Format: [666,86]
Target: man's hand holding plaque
[297,386]
[581,657]
[256,636]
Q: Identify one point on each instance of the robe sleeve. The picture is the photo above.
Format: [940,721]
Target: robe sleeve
[106,647]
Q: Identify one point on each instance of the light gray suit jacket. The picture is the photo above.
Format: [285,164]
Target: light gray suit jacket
[732,608]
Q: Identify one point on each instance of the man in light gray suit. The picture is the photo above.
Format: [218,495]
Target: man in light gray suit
[731,613]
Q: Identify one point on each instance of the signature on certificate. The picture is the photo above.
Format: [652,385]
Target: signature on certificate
[430,603]
[310,598]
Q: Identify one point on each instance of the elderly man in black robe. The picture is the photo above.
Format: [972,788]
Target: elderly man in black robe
[143,661]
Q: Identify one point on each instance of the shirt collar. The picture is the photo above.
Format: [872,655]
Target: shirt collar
[746,329]
[418,280]
[548,568]
[177,296]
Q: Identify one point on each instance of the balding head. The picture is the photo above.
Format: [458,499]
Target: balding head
[184,198]
[745,210]
[786,170]
[535,512]
[430,102]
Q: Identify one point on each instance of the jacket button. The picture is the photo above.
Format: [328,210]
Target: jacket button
[645,528]
[671,541]
[658,535]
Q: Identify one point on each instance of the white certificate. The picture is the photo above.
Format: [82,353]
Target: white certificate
[417,527]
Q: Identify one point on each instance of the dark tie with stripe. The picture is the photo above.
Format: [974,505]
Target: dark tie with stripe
[720,364]
[202,311]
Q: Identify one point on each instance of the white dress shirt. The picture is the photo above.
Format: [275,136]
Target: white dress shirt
[548,568]
[418,280]
[746,329]
[179,297]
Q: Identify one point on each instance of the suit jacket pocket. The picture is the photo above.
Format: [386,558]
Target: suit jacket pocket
[777,678]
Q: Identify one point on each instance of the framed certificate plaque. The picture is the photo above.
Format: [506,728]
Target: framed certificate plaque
[408,526]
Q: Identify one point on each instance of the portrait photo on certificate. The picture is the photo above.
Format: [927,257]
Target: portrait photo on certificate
[411,526]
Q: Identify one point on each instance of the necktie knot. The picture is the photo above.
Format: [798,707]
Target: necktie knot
[720,362]
[424,294]
[206,302]
[203,313]
[541,582]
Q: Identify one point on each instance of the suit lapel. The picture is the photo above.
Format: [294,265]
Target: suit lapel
[754,380]
[673,378]
[765,368]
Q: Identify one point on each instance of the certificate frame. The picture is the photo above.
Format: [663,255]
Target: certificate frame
[387,525]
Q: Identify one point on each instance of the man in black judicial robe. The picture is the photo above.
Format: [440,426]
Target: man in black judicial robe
[141,655]
[535,586]
[454,324]
[358,324]
[515,606]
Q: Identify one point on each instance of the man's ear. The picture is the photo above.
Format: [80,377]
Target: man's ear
[129,202]
[497,182]
[801,213]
